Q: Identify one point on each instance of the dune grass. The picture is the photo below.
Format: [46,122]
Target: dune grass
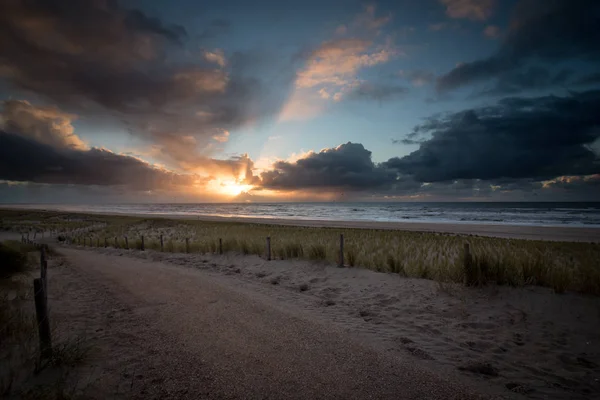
[563,266]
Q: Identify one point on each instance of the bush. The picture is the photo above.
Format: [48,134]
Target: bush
[12,260]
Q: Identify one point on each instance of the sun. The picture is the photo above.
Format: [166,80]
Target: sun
[228,187]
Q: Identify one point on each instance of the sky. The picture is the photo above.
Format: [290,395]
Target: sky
[268,101]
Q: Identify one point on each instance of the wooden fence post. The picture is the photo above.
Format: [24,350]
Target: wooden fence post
[105,242]
[161,244]
[41,311]
[220,246]
[471,278]
[44,270]
[268,248]
[116,242]
[341,264]
[126,243]
[187,245]
[142,242]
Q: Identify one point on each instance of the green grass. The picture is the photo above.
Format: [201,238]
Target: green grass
[562,266]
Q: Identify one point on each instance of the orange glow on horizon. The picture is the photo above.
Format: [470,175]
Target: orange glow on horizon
[227,187]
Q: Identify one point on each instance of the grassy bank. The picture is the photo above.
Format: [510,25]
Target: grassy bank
[23,374]
[560,265]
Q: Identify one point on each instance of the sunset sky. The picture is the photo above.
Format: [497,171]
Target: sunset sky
[193,101]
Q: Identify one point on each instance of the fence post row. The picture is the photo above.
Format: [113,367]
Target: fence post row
[41,311]
[126,243]
[161,244]
[220,246]
[142,242]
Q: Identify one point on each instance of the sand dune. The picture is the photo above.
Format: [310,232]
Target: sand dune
[211,338]
[511,341]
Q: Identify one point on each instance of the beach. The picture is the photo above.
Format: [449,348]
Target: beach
[566,234]
[237,324]
[531,232]
[268,327]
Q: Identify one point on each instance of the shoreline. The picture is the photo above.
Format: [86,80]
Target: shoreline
[530,232]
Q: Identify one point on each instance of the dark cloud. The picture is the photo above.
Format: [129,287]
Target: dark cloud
[527,79]
[538,138]
[379,92]
[99,57]
[39,145]
[585,184]
[348,166]
[550,30]
[25,160]
[591,79]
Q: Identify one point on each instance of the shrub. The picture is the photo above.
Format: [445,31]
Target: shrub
[13,260]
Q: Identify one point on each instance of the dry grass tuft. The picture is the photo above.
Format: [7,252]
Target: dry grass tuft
[561,266]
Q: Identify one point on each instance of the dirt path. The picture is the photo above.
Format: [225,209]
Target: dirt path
[186,334]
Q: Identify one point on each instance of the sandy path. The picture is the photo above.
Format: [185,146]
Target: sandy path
[219,341]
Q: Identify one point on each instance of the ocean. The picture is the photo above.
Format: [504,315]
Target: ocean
[534,214]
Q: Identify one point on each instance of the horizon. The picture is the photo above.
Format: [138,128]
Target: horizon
[220,102]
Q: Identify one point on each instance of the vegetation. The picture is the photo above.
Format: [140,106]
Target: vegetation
[21,367]
[563,266]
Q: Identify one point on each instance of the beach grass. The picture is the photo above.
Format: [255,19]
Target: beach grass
[562,266]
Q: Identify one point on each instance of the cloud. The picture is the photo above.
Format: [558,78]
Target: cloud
[331,73]
[590,79]
[492,31]
[336,62]
[47,125]
[585,184]
[23,159]
[538,138]
[222,136]
[370,21]
[526,79]
[563,30]
[331,70]
[377,92]
[348,166]
[477,10]
[418,77]
[38,145]
[102,59]
[216,57]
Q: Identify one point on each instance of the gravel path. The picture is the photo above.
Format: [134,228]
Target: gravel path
[205,338]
